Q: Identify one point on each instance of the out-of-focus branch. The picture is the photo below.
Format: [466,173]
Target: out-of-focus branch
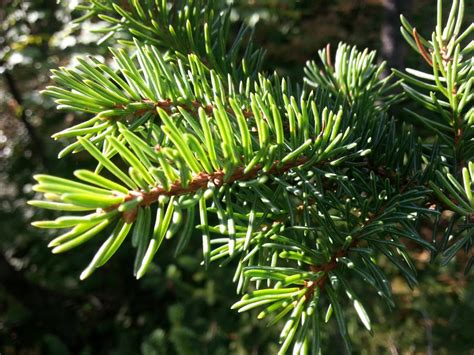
[392,46]
[17,105]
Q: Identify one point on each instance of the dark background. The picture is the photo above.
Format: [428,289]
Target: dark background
[180,307]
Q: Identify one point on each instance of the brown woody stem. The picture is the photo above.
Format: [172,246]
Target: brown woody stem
[168,105]
[201,181]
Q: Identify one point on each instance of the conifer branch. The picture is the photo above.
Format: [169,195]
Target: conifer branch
[300,181]
[333,263]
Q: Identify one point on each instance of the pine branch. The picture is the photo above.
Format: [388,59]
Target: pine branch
[307,185]
[333,263]
[448,100]
[200,27]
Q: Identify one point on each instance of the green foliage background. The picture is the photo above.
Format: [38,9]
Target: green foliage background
[178,307]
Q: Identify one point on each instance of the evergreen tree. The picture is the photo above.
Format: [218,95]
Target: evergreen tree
[311,189]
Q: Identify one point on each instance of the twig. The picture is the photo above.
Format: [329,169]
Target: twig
[201,181]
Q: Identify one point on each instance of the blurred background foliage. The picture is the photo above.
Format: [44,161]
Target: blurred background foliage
[179,307]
